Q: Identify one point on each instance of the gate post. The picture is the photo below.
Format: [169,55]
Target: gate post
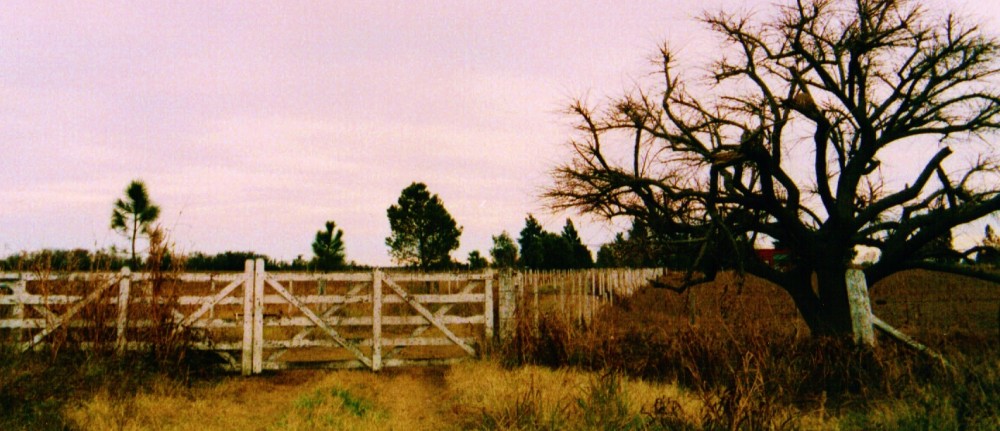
[508,305]
[20,291]
[246,366]
[488,304]
[861,309]
[124,286]
[376,320]
[258,317]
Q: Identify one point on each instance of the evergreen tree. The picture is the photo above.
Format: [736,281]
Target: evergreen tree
[580,256]
[637,249]
[477,261]
[134,215]
[423,232]
[611,255]
[504,251]
[531,241]
[556,252]
[329,248]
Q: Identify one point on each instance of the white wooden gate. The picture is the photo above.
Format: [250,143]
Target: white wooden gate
[123,311]
[258,320]
[371,320]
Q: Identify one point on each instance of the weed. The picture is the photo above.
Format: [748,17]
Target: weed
[335,408]
[526,412]
[354,405]
[667,413]
[604,405]
[746,403]
[82,357]
[750,362]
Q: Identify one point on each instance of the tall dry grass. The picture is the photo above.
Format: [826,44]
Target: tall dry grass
[82,355]
[474,395]
[741,346]
[728,356]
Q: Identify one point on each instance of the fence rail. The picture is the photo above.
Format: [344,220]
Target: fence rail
[574,295]
[260,320]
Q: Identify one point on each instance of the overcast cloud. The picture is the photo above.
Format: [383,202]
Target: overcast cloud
[253,123]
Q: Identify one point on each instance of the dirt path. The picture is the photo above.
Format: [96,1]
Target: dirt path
[410,399]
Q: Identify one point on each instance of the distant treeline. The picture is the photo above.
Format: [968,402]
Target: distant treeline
[112,259]
[77,259]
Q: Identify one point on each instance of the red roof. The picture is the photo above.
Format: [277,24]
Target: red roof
[769,255]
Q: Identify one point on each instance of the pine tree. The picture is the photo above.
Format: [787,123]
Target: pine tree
[423,232]
[504,251]
[532,244]
[134,215]
[328,248]
[580,256]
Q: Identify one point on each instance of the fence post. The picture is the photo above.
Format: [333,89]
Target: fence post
[488,304]
[20,289]
[376,320]
[534,304]
[861,310]
[246,366]
[508,305]
[692,307]
[211,311]
[562,297]
[258,317]
[124,287]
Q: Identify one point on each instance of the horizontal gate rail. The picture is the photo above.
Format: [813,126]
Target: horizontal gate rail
[433,320]
[319,322]
[258,320]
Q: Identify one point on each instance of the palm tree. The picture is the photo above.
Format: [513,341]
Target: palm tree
[134,214]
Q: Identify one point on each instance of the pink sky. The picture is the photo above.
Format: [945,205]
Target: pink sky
[252,124]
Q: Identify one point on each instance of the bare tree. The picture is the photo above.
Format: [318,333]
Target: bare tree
[785,142]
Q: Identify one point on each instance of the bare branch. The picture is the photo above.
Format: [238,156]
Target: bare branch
[721,164]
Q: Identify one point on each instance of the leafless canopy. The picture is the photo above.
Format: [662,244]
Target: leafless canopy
[786,139]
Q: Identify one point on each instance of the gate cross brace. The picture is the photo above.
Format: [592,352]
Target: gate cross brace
[423,311]
[306,331]
[191,318]
[318,322]
[68,315]
[439,313]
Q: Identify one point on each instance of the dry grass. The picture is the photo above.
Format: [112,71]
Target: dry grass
[293,400]
[473,395]
[743,349]
[489,396]
[414,399]
[725,356]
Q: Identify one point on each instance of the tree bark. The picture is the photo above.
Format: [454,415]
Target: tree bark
[826,310]
[135,232]
[808,305]
[836,311]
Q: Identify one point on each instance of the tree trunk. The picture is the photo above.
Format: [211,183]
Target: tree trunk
[832,286]
[826,310]
[135,231]
[808,305]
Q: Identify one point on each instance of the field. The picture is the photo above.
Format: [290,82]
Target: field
[731,355]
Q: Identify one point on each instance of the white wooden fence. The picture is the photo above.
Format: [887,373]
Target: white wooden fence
[259,320]
[864,323]
[283,320]
[268,320]
[575,295]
